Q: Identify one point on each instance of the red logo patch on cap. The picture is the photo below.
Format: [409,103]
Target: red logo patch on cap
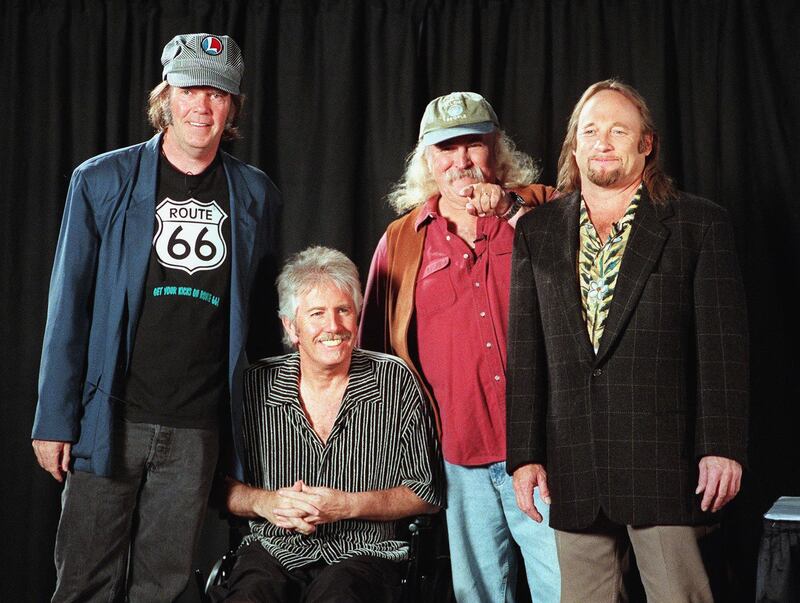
[211,45]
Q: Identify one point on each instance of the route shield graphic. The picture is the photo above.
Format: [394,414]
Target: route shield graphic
[189,235]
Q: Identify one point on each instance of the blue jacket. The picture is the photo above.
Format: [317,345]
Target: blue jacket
[97,288]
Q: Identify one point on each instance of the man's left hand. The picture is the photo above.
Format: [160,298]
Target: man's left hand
[719,481]
[329,505]
[484,199]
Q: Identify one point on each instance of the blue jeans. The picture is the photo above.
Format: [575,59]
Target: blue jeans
[133,534]
[482,519]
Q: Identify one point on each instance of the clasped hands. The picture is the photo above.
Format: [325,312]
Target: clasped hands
[302,508]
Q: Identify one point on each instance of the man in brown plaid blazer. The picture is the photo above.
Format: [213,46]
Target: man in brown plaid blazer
[628,369]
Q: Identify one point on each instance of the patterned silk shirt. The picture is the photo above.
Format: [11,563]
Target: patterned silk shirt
[598,267]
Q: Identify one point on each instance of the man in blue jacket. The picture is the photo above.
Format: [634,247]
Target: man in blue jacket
[146,329]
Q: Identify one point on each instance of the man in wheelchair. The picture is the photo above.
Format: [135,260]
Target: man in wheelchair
[339,443]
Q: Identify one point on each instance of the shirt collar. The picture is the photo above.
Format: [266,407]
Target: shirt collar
[428,211]
[362,386]
[286,387]
[618,226]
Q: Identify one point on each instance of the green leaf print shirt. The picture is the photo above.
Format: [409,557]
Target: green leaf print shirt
[598,267]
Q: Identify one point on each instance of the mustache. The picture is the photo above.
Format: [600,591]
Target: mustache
[603,156]
[474,173]
[344,336]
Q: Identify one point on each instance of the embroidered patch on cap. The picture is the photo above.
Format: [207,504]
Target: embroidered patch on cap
[456,114]
[211,45]
[454,107]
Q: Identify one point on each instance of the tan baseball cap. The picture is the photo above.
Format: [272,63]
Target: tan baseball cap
[456,114]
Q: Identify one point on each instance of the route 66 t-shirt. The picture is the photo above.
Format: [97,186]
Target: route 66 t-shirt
[178,370]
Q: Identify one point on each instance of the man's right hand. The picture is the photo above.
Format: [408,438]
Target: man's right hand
[282,512]
[526,478]
[53,457]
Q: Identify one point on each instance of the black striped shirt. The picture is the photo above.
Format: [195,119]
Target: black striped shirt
[383,437]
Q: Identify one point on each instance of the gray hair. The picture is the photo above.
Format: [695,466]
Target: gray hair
[308,269]
[514,169]
[160,116]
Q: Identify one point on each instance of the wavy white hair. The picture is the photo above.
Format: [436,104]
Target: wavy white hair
[513,168]
[310,268]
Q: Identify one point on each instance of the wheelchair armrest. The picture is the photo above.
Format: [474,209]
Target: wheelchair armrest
[221,570]
[420,523]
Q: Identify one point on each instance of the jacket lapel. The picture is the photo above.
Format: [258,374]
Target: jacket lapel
[566,267]
[642,252]
[138,239]
[243,231]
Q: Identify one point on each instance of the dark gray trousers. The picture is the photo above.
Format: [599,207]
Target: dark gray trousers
[132,536]
[258,577]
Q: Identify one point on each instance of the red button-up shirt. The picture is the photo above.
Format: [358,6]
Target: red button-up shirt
[461,304]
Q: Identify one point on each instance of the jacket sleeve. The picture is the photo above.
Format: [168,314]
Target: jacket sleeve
[526,395]
[63,367]
[722,345]
[373,333]
[264,328]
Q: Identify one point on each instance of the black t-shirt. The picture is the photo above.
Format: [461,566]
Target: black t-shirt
[178,373]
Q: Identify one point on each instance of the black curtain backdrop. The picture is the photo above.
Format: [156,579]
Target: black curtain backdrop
[335,92]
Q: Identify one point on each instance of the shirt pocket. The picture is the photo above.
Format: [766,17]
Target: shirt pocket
[435,288]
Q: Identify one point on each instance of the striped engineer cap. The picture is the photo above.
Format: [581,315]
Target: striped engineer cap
[202,59]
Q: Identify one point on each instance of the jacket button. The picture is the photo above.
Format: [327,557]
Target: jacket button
[597,372]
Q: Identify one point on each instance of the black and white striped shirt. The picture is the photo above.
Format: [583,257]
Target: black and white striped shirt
[383,437]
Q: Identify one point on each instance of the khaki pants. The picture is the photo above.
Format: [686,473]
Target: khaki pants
[593,561]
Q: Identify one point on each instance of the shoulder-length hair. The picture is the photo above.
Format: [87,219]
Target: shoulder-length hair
[160,116]
[659,185]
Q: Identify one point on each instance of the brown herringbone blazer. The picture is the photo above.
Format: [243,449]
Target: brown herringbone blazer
[623,430]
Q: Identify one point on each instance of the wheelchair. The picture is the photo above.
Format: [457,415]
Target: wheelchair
[426,577]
